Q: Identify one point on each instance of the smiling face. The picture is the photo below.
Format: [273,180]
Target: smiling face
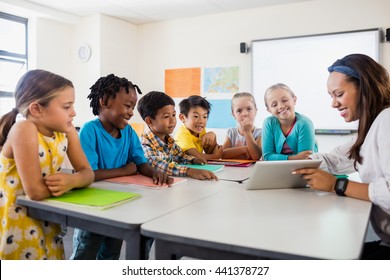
[117,111]
[344,96]
[281,104]
[196,119]
[164,123]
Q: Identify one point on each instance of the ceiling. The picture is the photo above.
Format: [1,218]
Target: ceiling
[146,11]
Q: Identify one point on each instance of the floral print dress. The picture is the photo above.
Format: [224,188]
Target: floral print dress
[22,237]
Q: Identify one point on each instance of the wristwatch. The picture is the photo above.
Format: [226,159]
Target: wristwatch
[341,186]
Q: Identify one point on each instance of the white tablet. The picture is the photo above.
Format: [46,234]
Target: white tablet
[277,174]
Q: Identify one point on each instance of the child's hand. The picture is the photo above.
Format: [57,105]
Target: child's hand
[201,174]
[209,139]
[218,150]
[59,183]
[246,125]
[199,161]
[301,155]
[130,169]
[162,178]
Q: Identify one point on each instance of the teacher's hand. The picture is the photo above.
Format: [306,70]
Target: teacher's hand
[317,179]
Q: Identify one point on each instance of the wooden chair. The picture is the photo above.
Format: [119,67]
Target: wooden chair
[138,128]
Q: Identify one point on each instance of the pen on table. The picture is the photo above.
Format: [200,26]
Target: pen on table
[233,180]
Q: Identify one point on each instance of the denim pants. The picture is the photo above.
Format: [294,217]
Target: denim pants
[92,246]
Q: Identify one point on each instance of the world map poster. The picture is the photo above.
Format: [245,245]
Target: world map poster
[221,80]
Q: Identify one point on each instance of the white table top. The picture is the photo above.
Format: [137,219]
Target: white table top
[153,202]
[234,173]
[295,222]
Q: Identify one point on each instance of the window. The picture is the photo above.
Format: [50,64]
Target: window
[13,57]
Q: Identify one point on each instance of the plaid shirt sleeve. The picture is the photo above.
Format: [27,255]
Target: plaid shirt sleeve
[180,156]
[159,160]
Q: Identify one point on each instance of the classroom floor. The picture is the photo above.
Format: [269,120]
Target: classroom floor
[68,245]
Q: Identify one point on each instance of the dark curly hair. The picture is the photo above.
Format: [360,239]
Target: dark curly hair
[107,87]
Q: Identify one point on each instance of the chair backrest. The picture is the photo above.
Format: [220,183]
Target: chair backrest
[138,128]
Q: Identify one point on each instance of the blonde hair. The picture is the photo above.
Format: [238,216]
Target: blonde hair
[276,86]
[244,94]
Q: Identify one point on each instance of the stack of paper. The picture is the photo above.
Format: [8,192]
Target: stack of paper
[141,180]
[233,162]
[210,167]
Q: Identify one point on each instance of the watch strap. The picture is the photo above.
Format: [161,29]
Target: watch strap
[341,186]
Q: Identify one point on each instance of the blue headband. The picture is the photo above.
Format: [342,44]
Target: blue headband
[339,67]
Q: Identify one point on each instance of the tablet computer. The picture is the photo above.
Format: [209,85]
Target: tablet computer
[277,174]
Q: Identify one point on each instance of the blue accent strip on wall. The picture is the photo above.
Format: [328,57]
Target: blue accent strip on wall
[221,114]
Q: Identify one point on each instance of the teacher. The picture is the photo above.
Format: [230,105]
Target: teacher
[360,90]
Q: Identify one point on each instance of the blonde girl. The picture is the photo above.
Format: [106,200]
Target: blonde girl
[287,135]
[243,141]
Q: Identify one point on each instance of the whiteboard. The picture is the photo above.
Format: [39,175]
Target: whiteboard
[301,63]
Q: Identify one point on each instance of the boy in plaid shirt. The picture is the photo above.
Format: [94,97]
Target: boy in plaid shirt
[157,109]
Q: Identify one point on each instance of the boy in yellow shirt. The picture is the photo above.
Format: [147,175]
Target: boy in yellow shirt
[192,136]
[157,109]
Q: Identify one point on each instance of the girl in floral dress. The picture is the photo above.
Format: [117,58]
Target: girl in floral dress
[32,151]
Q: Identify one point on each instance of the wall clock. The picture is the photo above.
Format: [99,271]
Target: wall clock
[84,52]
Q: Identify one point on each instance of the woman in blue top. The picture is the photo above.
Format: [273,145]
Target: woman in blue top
[287,135]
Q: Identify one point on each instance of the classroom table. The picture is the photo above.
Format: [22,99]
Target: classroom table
[235,174]
[263,224]
[124,221]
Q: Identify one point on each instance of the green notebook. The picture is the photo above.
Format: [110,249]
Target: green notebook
[210,167]
[94,197]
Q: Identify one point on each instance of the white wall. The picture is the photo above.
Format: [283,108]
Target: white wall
[213,41]
[142,53]
[53,44]
[114,50]
[84,74]
[118,48]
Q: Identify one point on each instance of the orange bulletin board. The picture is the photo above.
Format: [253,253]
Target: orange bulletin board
[182,82]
